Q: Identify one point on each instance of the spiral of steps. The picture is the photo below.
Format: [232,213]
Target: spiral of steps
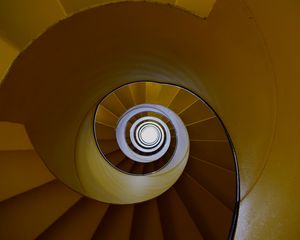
[144,121]
[202,204]
[41,200]
[62,62]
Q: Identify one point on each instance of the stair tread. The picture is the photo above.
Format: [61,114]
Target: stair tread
[148,167]
[8,55]
[182,100]
[104,132]
[212,217]
[125,96]
[166,95]
[146,222]
[126,165]
[197,7]
[209,129]
[35,210]
[116,223]
[108,146]
[176,220]
[115,157]
[138,168]
[14,137]
[106,117]
[218,181]
[138,91]
[113,104]
[152,92]
[196,112]
[218,153]
[79,222]
[21,171]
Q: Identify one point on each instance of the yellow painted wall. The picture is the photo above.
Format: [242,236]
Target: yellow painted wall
[271,210]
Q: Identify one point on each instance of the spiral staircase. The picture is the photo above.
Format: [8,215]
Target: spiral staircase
[205,196]
[71,70]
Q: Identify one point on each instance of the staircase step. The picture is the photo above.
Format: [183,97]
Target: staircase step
[7,56]
[166,95]
[116,223]
[104,132]
[218,153]
[209,129]
[176,220]
[115,157]
[146,222]
[21,171]
[78,223]
[218,181]
[14,137]
[108,146]
[113,104]
[27,215]
[148,167]
[138,91]
[196,112]
[201,8]
[212,217]
[138,168]
[152,92]
[106,117]
[125,96]
[182,101]
[126,165]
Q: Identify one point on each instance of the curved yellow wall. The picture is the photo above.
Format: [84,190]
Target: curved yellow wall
[243,59]
[271,210]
